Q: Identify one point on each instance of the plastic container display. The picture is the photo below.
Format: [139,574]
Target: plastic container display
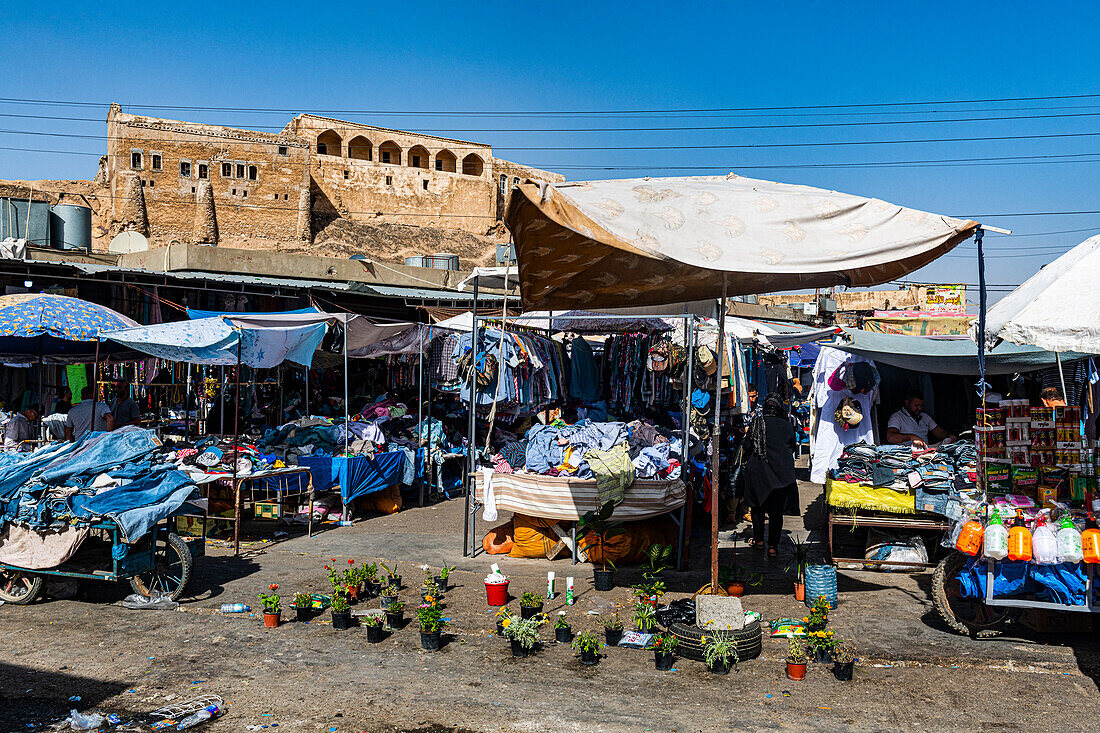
[1044,545]
[1019,542]
[1069,542]
[1090,543]
[970,538]
[995,545]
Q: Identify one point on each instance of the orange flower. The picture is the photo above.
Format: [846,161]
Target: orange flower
[273,586]
[351,561]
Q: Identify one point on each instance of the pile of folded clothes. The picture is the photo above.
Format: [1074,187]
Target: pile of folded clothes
[126,476]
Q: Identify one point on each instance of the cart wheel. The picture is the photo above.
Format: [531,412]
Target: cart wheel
[968,616]
[19,587]
[172,570]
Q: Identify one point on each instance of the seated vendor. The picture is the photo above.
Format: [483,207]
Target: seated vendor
[911,424]
[1052,397]
[20,429]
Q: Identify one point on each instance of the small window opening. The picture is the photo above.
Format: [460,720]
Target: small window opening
[389,180]
[185,169]
[227,170]
[156,162]
[282,150]
[425,184]
[253,173]
[240,170]
[135,160]
[204,171]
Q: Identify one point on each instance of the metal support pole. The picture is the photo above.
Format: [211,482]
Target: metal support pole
[420,406]
[236,440]
[471,442]
[347,396]
[978,235]
[95,385]
[1061,376]
[685,452]
[307,391]
[221,399]
[716,440]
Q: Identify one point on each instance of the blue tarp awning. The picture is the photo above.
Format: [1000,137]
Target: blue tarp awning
[945,355]
[195,314]
[356,475]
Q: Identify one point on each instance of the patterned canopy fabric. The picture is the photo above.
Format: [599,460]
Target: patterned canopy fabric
[55,329]
[649,241]
[28,315]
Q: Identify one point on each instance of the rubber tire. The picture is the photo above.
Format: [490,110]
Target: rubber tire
[177,549]
[945,573]
[750,641]
[33,590]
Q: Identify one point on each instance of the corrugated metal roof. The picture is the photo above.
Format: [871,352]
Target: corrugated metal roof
[219,276]
[394,291]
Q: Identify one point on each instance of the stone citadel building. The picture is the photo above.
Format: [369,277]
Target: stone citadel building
[188,182]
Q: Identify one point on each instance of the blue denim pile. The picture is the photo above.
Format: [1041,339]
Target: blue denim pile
[125,476]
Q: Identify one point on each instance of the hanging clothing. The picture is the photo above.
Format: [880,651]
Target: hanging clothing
[829,436]
[584,375]
[770,480]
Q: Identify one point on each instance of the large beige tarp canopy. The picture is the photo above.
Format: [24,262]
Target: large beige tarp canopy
[647,241]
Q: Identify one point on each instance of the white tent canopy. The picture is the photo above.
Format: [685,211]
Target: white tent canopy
[645,241]
[1053,309]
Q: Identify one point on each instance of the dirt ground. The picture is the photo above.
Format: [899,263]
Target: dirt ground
[913,672]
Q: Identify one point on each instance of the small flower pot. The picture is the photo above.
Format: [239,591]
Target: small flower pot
[662,661]
[603,579]
[800,592]
[500,627]
[843,671]
[303,615]
[721,666]
[796,671]
[563,636]
[590,658]
[613,636]
[341,620]
[394,581]
[518,650]
[372,588]
[388,601]
[530,611]
[430,641]
[272,620]
[822,656]
[441,583]
[496,594]
[374,634]
[736,590]
[395,619]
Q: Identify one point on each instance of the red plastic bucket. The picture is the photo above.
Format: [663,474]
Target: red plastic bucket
[496,593]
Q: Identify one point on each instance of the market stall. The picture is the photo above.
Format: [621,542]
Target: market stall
[604,244]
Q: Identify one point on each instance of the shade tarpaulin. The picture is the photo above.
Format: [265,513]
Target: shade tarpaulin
[355,475]
[215,341]
[360,331]
[1053,309]
[944,355]
[646,241]
[55,328]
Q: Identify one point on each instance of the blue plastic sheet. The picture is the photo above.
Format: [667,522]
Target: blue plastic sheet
[357,475]
[1063,583]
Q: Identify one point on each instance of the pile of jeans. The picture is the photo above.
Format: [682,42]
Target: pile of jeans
[126,476]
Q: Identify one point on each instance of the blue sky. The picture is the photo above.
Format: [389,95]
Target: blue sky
[420,58]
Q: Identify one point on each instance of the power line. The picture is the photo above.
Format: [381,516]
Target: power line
[530,113]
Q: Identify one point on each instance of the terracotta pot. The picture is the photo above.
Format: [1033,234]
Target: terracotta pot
[800,592]
[271,620]
[735,590]
[796,671]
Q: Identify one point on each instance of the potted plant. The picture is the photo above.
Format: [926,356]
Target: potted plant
[734,578]
[273,612]
[303,607]
[818,618]
[430,618]
[502,615]
[799,559]
[599,523]
[369,575]
[392,578]
[373,622]
[341,614]
[822,643]
[350,580]
[613,629]
[444,578]
[523,633]
[664,649]
[844,661]
[563,632]
[530,605]
[644,616]
[654,586]
[395,615]
[796,660]
[719,652]
[389,596]
[587,647]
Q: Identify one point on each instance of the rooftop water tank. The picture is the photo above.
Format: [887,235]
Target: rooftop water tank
[70,227]
[14,220]
[417,261]
[441,261]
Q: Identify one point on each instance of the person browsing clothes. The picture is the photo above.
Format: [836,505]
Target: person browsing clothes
[911,424]
[770,486]
[79,419]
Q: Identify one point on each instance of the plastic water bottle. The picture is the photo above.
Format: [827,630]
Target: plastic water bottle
[235,608]
[207,713]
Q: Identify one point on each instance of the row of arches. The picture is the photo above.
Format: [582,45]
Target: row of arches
[359,147]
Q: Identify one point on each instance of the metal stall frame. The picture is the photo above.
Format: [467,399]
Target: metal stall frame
[682,518]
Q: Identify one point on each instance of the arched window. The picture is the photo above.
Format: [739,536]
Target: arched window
[417,157]
[330,143]
[389,152]
[473,165]
[360,148]
[445,160]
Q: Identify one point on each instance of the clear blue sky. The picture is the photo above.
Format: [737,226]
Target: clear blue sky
[563,56]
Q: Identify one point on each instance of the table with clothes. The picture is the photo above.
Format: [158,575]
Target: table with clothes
[921,489]
[126,476]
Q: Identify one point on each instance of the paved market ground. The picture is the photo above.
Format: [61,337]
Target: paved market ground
[307,677]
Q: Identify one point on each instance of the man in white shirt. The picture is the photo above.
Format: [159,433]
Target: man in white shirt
[79,419]
[911,424]
[19,429]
